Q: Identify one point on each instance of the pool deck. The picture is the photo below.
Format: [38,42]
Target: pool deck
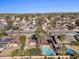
[46,46]
[75,48]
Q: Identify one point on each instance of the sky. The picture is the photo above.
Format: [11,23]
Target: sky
[38,6]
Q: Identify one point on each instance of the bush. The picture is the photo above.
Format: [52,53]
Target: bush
[75,43]
[35,51]
[27,52]
[14,53]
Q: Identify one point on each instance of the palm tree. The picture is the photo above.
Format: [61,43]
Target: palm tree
[18,24]
[53,23]
[62,38]
[40,33]
[39,30]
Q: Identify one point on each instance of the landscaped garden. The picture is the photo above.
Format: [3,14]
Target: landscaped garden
[34,52]
[27,52]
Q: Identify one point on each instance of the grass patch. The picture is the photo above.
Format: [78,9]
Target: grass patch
[35,51]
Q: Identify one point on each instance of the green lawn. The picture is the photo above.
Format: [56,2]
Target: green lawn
[35,51]
[27,52]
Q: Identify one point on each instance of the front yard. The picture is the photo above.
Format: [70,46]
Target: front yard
[35,52]
[27,52]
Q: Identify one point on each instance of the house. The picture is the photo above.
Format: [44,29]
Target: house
[44,42]
[32,44]
[34,41]
[13,18]
[2,26]
[8,43]
[17,19]
[3,21]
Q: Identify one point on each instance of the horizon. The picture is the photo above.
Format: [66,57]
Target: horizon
[43,13]
[38,6]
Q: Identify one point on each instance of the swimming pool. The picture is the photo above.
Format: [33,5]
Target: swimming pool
[70,52]
[48,52]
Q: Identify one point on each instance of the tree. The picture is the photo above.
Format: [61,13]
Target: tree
[27,52]
[53,23]
[62,38]
[49,17]
[22,40]
[39,22]
[14,53]
[9,22]
[77,22]
[40,33]
[63,49]
[7,18]
[50,34]
[73,26]
[76,43]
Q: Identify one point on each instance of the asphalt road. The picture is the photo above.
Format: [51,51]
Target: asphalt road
[69,34]
[24,32]
[53,31]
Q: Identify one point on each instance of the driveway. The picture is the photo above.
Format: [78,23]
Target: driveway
[7,52]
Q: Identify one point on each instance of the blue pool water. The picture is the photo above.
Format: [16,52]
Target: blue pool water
[70,52]
[48,51]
